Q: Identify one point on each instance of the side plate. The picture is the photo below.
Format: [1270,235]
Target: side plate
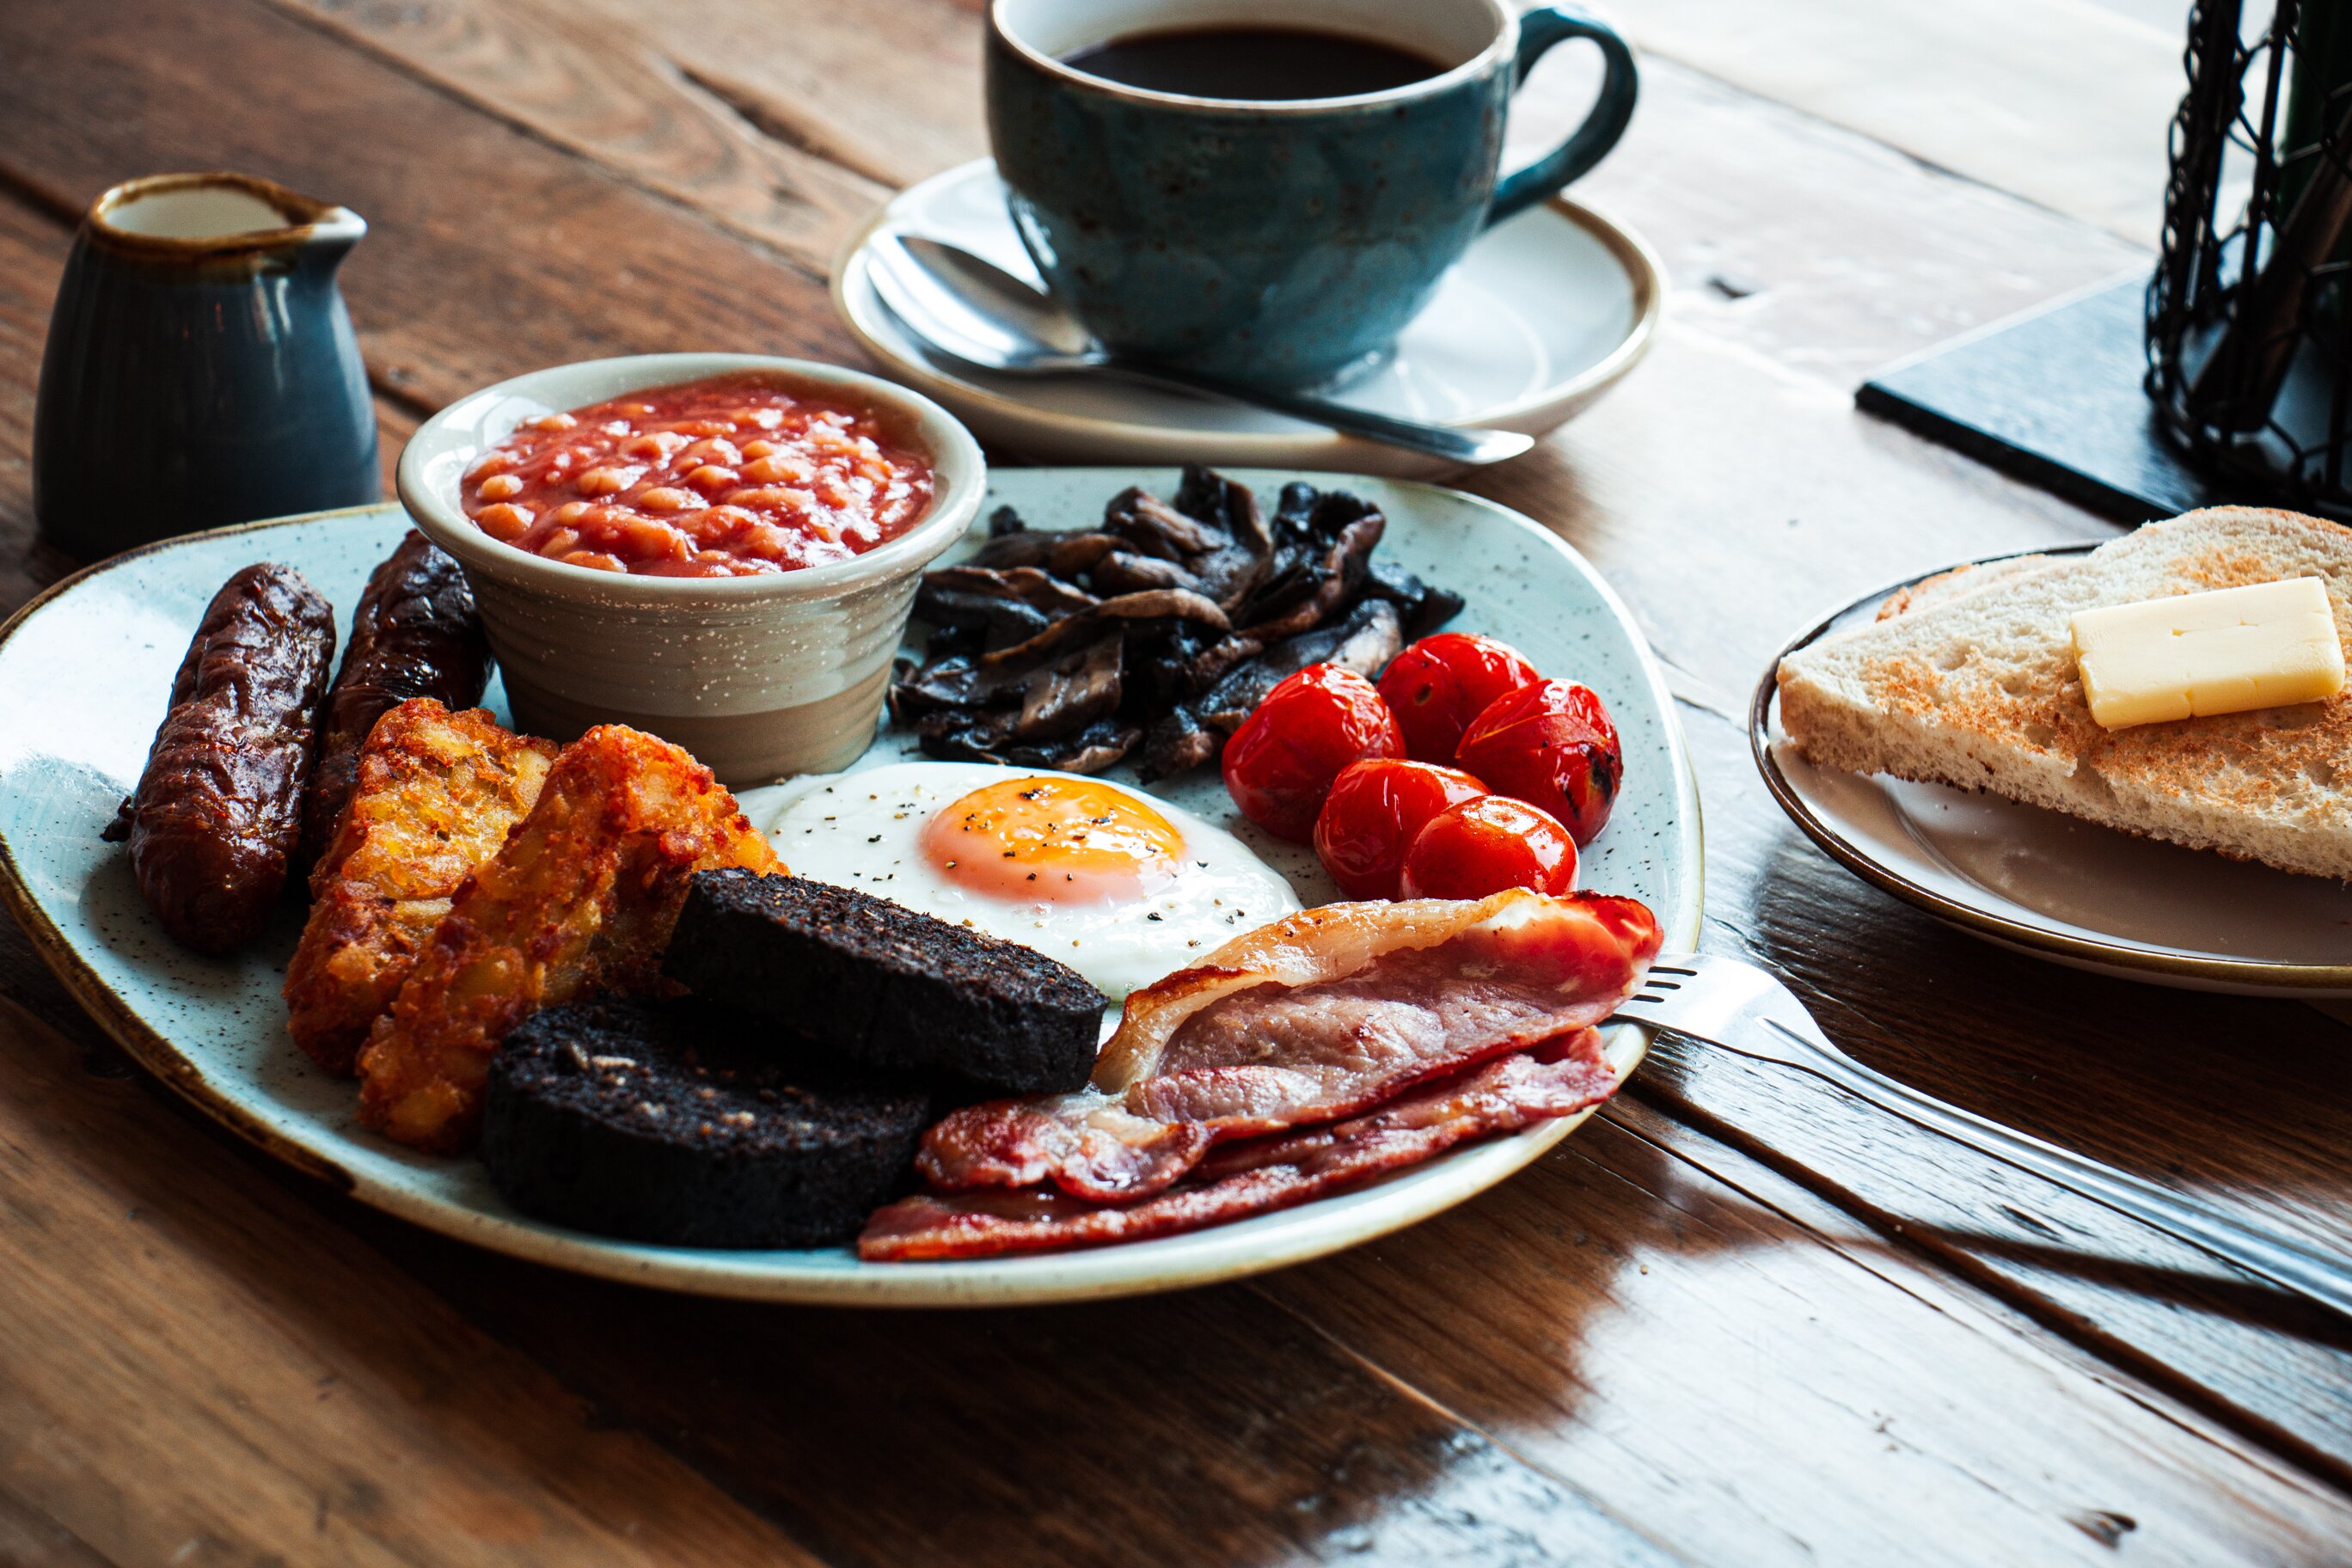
[2044,883]
[85,670]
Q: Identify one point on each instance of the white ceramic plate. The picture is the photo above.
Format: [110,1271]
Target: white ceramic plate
[2054,886]
[1543,315]
[85,671]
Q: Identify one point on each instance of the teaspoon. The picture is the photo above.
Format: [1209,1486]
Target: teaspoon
[969,309]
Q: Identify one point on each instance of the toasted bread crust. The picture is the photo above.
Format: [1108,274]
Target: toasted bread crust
[1946,587]
[1978,689]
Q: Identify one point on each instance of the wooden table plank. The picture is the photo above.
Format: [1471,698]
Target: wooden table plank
[192,1369]
[1734,503]
[1630,1324]
[1638,1332]
[555,260]
[601,87]
[1736,193]
[1203,1427]
[2064,102]
[889,95]
[32,254]
[1823,250]
[31,1539]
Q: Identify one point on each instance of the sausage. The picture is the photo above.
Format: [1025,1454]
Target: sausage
[215,825]
[415,634]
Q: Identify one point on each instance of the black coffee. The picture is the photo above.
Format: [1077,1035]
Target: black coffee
[1253,62]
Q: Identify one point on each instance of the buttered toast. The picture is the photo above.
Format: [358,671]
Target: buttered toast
[1974,684]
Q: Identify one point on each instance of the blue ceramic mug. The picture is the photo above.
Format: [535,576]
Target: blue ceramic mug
[201,367]
[1283,241]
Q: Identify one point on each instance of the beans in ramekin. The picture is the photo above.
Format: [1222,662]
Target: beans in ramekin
[735,476]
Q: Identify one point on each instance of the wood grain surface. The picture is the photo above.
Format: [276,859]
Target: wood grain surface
[2064,102]
[32,253]
[249,1390]
[1738,1319]
[589,82]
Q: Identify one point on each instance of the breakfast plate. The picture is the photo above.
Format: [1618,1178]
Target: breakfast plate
[2055,887]
[1544,314]
[84,672]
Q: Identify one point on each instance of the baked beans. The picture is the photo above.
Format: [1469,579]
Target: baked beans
[731,477]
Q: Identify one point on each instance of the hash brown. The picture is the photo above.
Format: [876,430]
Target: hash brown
[582,898]
[433,795]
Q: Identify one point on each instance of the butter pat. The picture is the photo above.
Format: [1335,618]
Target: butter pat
[2222,652]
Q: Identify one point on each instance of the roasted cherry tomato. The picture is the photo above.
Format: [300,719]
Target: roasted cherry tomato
[1552,745]
[1441,683]
[1484,846]
[1280,763]
[1370,818]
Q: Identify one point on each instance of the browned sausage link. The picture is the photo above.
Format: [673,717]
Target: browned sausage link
[214,825]
[414,635]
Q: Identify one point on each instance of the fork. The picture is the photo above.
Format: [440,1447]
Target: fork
[1743,1009]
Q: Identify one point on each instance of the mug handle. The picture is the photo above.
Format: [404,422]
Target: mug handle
[1538,30]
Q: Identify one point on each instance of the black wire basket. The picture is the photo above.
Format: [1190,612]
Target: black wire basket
[2249,314]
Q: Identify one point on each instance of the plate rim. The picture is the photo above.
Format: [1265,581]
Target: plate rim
[1644,271]
[1062,1276]
[2261,975]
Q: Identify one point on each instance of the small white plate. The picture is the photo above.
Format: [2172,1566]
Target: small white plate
[85,672]
[1545,313]
[2054,886]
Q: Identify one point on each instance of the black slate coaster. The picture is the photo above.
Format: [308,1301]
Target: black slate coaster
[2052,397]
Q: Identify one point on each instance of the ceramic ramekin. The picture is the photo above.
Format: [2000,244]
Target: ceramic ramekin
[761,676]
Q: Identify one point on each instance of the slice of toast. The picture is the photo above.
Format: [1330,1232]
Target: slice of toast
[1946,587]
[1975,686]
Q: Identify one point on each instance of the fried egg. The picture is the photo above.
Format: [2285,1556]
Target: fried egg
[1122,888]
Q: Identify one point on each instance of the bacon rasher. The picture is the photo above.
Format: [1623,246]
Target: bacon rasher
[1256,1175]
[1317,1017]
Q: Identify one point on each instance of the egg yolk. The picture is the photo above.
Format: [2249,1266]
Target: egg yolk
[1062,841]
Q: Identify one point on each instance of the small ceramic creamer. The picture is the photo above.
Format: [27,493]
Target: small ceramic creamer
[201,367]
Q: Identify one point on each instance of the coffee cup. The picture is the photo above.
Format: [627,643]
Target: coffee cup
[1283,240]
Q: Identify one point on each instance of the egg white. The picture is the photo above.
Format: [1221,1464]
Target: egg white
[862,830]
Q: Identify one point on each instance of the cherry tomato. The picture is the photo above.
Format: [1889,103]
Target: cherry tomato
[1370,816]
[1281,763]
[1552,745]
[1486,845]
[1441,683]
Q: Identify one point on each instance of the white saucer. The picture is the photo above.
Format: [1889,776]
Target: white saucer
[1542,316]
[2053,886]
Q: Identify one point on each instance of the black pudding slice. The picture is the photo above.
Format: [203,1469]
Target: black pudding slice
[660,1124]
[887,987]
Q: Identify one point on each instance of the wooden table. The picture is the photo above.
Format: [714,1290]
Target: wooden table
[1737,1318]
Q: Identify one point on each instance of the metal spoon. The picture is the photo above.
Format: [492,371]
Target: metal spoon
[969,309]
